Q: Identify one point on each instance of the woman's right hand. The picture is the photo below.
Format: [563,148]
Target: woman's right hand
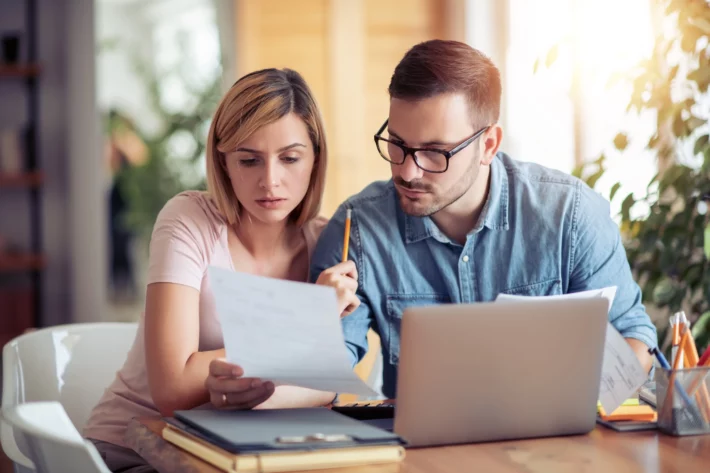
[342,277]
[228,390]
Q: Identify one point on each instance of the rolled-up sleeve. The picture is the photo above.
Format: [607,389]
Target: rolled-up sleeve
[598,259]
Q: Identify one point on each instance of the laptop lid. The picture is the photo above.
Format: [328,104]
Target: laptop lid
[492,371]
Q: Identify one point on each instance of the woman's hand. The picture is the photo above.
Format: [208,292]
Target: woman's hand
[342,277]
[229,390]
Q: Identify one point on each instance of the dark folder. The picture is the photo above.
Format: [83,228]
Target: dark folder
[272,430]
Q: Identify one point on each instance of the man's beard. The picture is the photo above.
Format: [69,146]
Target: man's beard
[438,203]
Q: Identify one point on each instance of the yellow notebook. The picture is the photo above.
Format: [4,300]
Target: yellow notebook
[282,461]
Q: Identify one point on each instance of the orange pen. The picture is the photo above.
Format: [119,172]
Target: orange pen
[346,237]
[678,361]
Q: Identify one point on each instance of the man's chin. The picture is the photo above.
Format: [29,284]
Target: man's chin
[415,208]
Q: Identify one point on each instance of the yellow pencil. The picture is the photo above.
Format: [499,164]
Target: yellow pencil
[346,237]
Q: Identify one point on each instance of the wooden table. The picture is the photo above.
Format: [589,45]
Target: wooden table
[602,450]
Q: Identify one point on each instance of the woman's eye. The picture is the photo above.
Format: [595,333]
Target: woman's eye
[248,162]
[289,159]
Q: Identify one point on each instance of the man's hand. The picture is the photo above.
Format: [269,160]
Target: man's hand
[641,351]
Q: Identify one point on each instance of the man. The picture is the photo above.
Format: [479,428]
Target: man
[459,222]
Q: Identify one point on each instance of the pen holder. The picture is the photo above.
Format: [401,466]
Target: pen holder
[683,401]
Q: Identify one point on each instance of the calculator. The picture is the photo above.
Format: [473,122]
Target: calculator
[367,411]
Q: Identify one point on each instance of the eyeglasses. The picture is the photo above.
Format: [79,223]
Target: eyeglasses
[427,159]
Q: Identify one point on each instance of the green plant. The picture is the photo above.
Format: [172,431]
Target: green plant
[175,152]
[669,248]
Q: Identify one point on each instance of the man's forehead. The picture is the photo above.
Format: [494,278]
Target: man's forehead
[429,122]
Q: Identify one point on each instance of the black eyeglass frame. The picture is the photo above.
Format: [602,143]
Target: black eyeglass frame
[412,151]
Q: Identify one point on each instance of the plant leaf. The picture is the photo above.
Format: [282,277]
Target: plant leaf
[694,274]
[592,180]
[702,325]
[700,144]
[552,55]
[674,231]
[578,170]
[626,206]
[621,141]
[679,126]
[673,174]
[663,292]
[648,288]
[694,122]
[701,76]
[614,189]
[706,241]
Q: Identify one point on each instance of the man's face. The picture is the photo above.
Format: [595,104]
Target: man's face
[440,122]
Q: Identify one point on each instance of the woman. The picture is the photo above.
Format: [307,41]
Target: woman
[266,161]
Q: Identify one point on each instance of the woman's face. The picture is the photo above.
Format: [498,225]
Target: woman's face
[271,171]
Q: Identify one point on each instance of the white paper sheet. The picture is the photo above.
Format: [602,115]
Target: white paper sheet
[622,374]
[283,331]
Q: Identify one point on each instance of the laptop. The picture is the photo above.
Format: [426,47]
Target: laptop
[492,371]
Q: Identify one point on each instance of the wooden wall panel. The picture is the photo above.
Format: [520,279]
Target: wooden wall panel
[347,51]
[392,28]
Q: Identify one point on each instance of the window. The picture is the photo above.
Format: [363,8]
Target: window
[571,111]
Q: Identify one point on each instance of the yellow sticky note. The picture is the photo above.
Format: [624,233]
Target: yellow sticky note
[628,402]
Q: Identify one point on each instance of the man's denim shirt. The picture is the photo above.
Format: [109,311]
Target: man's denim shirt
[541,232]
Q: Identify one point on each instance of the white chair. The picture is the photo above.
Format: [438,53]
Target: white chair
[52,441]
[72,364]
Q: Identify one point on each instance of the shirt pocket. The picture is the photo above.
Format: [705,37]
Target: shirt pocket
[546,287]
[396,305]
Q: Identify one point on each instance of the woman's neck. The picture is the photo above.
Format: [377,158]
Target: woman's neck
[262,240]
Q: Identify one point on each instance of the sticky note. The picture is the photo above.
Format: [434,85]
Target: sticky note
[637,413]
[629,402]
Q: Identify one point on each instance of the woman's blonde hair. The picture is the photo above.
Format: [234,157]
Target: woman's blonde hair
[256,100]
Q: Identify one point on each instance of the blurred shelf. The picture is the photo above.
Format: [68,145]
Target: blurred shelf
[13,262]
[19,70]
[28,179]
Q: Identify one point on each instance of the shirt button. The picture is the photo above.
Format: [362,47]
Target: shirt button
[465,258]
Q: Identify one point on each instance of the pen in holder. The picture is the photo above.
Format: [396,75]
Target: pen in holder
[683,403]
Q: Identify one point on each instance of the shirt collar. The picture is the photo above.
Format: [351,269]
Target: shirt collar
[495,212]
